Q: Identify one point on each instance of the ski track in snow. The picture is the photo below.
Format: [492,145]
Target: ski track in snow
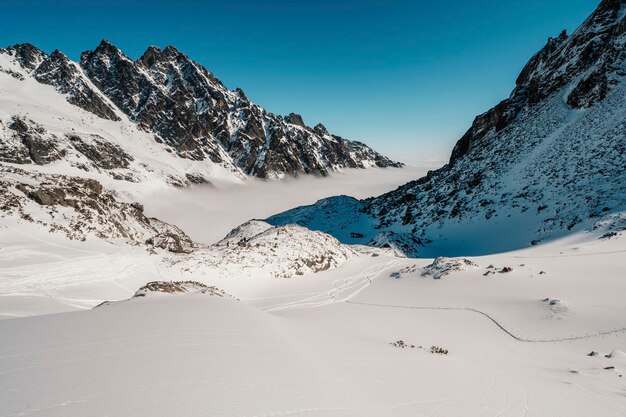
[494,321]
[342,289]
[356,284]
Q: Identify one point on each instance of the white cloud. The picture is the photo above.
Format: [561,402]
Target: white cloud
[208,214]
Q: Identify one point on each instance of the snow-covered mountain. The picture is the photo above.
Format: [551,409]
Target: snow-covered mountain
[549,159]
[80,143]
[175,106]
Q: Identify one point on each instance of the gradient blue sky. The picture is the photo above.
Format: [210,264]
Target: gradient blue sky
[406,77]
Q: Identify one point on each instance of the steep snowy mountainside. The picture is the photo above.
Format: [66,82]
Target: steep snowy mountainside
[58,71]
[587,64]
[181,107]
[43,129]
[548,160]
[191,110]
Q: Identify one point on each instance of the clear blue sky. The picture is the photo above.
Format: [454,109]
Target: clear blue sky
[406,77]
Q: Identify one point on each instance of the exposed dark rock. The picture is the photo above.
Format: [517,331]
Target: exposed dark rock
[197,179]
[103,154]
[30,143]
[48,197]
[589,91]
[26,54]
[41,151]
[58,71]
[179,287]
[19,125]
[190,110]
[295,119]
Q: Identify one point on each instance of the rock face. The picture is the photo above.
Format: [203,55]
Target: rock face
[26,142]
[178,287]
[27,55]
[549,159]
[103,154]
[57,70]
[79,209]
[588,62]
[188,109]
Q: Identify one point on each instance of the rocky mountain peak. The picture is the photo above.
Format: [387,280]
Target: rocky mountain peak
[171,50]
[56,69]
[107,48]
[295,119]
[106,55]
[321,130]
[57,55]
[28,55]
[154,55]
[149,57]
[240,93]
[66,77]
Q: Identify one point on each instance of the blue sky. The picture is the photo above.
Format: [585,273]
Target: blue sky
[406,77]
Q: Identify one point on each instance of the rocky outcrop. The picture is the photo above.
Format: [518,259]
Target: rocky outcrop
[103,154]
[178,287]
[79,208]
[27,142]
[258,249]
[169,237]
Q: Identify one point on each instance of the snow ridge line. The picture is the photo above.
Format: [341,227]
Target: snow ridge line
[494,321]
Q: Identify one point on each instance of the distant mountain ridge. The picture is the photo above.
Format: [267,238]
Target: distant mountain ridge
[188,109]
[549,159]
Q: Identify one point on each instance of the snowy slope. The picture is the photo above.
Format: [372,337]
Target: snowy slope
[80,143]
[546,338]
[63,248]
[549,160]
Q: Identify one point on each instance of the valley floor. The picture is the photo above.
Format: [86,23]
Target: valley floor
[320,344]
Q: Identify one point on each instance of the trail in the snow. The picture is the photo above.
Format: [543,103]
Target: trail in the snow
[572,255]
[342,289]
[494,321]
